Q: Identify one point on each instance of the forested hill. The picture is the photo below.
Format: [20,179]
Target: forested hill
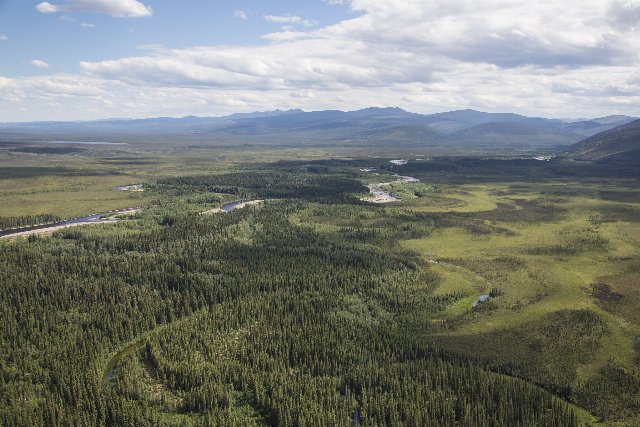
[620,143]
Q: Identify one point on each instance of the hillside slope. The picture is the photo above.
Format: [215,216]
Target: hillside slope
[620,143]
[513,134]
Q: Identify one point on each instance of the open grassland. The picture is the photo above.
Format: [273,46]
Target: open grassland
[554,261]
[66,197]
[586,256]
[71,181]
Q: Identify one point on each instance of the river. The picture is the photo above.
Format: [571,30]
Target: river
[99,218]
[228,207]
[102,218]
[377,193]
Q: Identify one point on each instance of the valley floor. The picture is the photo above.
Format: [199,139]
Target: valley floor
[319,305]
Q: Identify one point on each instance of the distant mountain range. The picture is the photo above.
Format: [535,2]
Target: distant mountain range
[367,127]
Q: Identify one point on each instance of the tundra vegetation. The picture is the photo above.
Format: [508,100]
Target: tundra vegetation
[316,305]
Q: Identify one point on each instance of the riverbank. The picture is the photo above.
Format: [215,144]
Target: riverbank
[379,195]
[99,218]
[228,207]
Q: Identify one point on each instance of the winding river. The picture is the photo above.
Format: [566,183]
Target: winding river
[376,190]
[99,218]
[102,218]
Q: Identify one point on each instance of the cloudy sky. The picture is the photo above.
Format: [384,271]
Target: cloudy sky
[93,59]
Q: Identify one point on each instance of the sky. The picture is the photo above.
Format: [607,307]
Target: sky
[98,59]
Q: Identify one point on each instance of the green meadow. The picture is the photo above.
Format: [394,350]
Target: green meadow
[560,260]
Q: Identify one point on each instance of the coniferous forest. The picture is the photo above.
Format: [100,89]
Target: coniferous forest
[319,213]
[307,309]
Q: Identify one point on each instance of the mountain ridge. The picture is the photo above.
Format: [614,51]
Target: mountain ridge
[388,125]
[617,144]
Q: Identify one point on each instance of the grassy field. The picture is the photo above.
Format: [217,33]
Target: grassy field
[75,181]
[561,260]
[583,257]
[554,262]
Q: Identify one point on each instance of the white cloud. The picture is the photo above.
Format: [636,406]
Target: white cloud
[283,19]
[40,86]
[292,63]
[72,19]
[285,35]
[289,21]
[67,88]
[151,47]
[544,58]
[506,33]
[39,63]
[93,98]
[3,38]
[115,8]
[47,7]
[240,14]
